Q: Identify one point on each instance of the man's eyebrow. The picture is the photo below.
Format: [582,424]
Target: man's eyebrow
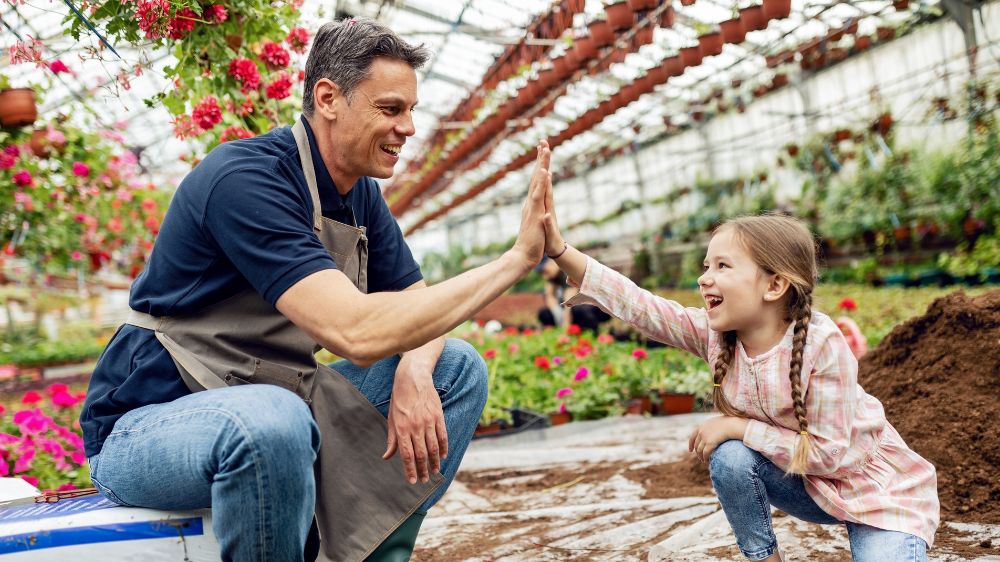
[393,99]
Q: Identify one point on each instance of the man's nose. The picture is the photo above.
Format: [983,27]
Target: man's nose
[405,125]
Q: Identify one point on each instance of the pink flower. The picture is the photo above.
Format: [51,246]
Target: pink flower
[56,388]
[848,304]
[564,392]
[490,353]
[605,338]
[7,161]
[639,354]
[148,205]
[23,178]
[78,457]
[274,55]
[30,51]
[298,39]
[280,88]
[66,486]
[30,480]
[30,397]
[64,400]
[81,169]
[182,23]
[562,408]
[581,374]
[556,360]
[23,462]
[57,67]
[246,73]
[513,348]
[154,17]
[234,132]
[76,255]
[216,13]
[207,113]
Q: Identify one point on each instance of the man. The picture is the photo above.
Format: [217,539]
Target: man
[272,247]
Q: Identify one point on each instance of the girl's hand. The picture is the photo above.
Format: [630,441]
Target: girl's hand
[713,433]
[554,242]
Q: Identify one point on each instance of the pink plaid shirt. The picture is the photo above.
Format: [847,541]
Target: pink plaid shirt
[859,468]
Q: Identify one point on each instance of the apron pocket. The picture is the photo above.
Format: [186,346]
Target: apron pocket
[266,372]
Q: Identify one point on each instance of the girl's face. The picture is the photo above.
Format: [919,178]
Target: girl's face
[733,286]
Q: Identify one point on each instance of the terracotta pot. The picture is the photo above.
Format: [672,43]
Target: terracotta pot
[643,36]
[852,27]
[690,56]
[672,403]
[753,18]
[698,116]
[793,150]
[687,2]
[561,67]
[638,5]
[601,33]
[674,65]
[777,9]
[559,418]
[862,43]
[779,81]
[660,73]
[841,135]
[835,35]
[585,48]
[574,6]
[900,4]
[17,107]
[667,17]
[885,33]
[732,31]
[494,427]
[619,16]
[710,44]
[639,405]
[41,146]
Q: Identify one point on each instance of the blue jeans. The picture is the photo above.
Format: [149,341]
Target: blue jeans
[748,485]
[247,452]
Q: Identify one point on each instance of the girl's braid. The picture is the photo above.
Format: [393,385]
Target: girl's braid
[722,364]
[800,312]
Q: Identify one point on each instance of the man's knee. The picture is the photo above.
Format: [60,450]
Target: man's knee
[730,461]
[273,415]
[471,373]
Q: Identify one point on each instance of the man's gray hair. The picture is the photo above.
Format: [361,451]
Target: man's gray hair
[343,51]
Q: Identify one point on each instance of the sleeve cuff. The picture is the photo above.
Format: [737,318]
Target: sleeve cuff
[760,436]
[591,279]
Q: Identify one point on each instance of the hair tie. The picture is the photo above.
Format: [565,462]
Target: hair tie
[717,385]
[804,432]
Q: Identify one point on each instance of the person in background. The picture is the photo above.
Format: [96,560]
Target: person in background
[557,291]
[797,431]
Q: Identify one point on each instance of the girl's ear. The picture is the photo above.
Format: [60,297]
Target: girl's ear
[777,286]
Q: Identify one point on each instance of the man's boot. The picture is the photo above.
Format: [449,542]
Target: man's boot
[399,545]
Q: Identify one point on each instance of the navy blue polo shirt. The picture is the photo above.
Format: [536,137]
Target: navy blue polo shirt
[241,219]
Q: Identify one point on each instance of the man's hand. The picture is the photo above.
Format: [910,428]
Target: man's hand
[531,238]
[713,433]
[554,242]
[416,420]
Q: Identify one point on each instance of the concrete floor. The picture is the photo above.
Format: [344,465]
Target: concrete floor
[563,493]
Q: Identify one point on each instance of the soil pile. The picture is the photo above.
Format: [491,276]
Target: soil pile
[938,376]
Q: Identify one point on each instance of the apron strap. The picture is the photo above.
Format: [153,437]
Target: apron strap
[305,155]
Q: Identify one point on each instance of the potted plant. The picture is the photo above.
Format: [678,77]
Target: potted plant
[777,9]
[620,16]
[17,105]
[690,56]
[753,18]
[732,30]
[709,39]
[667,17]
[600,32]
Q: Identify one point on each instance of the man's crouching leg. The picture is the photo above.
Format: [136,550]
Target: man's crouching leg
[247,452]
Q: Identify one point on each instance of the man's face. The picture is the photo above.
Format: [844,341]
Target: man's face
[371,130]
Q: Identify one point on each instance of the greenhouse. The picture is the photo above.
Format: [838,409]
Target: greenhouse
[488,280]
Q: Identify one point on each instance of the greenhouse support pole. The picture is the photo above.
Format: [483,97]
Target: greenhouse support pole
[963,14]
[650,243]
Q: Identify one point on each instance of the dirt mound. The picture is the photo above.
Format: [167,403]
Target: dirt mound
[938,376]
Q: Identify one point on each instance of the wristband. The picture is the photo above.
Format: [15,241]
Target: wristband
[557,256]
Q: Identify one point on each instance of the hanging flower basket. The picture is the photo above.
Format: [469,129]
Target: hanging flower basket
[674,65]
[687,2]
[852,27]
[41,145]
[17,107]
[710,44]
[619,16]
[584,48]
[732,31]
[643,36]
[753,18]
[659,74]
[841,135]
[779,81]
[885,33]
[900,5]
[862,43]
[777,9]
[640,5]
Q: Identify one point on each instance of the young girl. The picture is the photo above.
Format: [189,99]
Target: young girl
[797,432]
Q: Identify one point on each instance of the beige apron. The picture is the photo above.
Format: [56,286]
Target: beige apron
[360,498]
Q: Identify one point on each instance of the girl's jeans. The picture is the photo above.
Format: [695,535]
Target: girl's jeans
[748,485]
[247,452]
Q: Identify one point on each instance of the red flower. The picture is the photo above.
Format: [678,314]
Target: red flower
[7,161]
[298,39]
[573,330]
[31,397]
[640,354]
[182,23]
[246,73]
[154,17]
[848,304]
[216,13]
[510,330]
[148,205]
[542,362]
[153,225]
[234,132]
[207,113]
[274,55]
[280,89]
[57,67]
[56,388]
[23,178]
[490,353]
